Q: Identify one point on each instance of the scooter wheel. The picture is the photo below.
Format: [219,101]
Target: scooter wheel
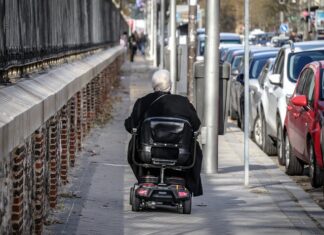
[135,202]
[186,206]
[131,193]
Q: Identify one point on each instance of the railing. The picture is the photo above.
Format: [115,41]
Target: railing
[40,30]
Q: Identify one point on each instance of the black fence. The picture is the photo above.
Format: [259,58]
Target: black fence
[36,30]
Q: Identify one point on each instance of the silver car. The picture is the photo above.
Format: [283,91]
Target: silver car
[257,98]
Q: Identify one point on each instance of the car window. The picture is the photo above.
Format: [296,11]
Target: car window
[202,48]
[301,82]
[297,61]
[263,74]
[256,67]
[236,62]
[230,41]
[230,56]
[281,64]
[277,69]
[309,86]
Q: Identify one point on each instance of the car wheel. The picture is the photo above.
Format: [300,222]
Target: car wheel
[280,144]
[257,131]
[315,173]
[293,164]
[267,145]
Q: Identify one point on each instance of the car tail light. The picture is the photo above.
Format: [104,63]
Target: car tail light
[142,192]
[182,194]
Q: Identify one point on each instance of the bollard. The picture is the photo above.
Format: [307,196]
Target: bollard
[224,91]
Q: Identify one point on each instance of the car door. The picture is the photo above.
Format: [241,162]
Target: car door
[256,88]
[233,94]
[308,116]
[293,113]
[235,86]
[273,92]
[303,114]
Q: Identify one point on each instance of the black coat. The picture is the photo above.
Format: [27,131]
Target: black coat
[170,106]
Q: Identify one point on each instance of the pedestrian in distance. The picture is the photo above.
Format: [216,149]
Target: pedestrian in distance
[141,43]
[133,46]
[124,40]
[161,103]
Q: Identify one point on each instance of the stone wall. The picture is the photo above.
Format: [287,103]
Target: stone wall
[32,173]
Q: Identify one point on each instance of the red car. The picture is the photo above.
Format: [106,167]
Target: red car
[302,130]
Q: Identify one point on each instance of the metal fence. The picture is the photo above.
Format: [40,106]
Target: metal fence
[35,30]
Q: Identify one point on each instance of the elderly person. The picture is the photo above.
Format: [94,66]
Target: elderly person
[162,103]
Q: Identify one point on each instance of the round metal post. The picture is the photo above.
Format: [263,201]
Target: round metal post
[155,31]
[212,87]
[162,34]
[246,93]
[151,29]
[192,42]
[173,47]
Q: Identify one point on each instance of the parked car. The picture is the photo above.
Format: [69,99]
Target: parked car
[225,38]
[233,53]
[235,61]
[226,51]
[257,103]
[302,129]
[257,61]
[231,38]
[279,41]
[289,63]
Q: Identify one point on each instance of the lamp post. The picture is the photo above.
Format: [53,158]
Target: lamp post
[162,22]
[212,87]
[172,45]
[192,44]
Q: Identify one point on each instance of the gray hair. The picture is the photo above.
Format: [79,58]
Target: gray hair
[161,81]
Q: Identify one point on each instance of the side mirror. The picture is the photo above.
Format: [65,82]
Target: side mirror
[240,78]
[299,100]
[235,72]
[275,79]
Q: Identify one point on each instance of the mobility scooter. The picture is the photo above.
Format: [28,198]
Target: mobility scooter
[169,145]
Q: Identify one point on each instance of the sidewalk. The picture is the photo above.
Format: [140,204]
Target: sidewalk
[99,187]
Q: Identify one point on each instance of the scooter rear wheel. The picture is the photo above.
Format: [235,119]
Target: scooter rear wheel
[186,206]
[135,202]
[131,194]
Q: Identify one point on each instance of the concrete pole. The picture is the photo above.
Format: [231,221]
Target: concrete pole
[162,23]
[212,87]
[310,33]
[192,44]
[309,15]
[246,92]
[155,31]
[173,46]
[151,29]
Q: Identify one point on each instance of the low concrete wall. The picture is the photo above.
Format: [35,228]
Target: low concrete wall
[43,121]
